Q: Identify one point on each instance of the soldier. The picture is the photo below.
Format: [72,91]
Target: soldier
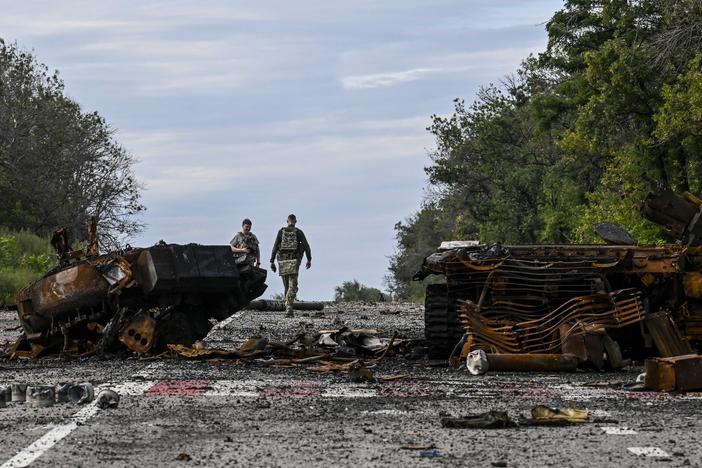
[290,245]
[244,245]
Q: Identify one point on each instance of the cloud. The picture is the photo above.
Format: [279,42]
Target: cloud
[379,80]
[259,109]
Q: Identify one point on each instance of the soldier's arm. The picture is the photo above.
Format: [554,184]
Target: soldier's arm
[258,251]
[276,245]
[306,246]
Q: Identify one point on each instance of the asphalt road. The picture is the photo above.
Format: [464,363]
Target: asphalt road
[224,413]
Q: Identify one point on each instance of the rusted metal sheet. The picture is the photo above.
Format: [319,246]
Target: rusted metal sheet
[666,335]
[681,373]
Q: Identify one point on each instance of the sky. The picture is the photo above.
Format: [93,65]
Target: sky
[241,109]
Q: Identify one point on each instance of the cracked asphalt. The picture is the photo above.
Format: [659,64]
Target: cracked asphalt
[176,412]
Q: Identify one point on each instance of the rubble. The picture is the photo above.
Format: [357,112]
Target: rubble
[604,305]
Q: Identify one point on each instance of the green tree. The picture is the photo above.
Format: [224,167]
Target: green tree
[59,165]
[573,139]
[350,291]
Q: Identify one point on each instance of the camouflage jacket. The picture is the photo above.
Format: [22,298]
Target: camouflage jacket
[249,241]
[291,244]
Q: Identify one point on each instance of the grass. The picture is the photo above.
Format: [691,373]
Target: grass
[24,257]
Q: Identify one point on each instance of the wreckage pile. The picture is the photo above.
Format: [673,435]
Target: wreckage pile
[138,298]
[352,352]
[587,306]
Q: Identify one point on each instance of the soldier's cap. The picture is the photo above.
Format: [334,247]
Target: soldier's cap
[292,217]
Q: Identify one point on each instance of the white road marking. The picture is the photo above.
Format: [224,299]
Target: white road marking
[649,452]
[148,371]
[39,447]
[611,430]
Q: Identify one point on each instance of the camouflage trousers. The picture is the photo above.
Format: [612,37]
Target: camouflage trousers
[290,283]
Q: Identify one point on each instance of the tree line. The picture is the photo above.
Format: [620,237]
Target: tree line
[573,137]
[59,165]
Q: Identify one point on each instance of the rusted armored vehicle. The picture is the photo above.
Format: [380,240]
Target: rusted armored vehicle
[601,303]
[141,298]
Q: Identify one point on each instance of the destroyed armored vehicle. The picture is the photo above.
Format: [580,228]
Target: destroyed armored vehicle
[141,298]
[601,303]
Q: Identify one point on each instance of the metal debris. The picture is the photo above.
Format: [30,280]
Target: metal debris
[681,373]
[141,298]
[603,304]
[40,396]
[107,399]
[478,362]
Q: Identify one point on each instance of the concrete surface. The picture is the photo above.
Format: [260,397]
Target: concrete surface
[238,413]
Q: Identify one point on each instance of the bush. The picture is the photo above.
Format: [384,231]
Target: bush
[355,291]
[24,257]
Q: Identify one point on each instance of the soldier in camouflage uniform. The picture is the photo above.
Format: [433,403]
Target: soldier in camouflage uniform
[289,247]
[244,246]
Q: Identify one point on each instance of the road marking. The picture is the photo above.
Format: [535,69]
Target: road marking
[179,388]
[649,452]
[39,447]
[611,430]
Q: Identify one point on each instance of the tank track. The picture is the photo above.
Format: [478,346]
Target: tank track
[441,328]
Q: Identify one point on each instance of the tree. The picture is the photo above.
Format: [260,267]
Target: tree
[573,139]
[59,165]
[350,291]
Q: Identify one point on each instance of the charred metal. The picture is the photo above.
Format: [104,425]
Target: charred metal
[603,304]
[139,298]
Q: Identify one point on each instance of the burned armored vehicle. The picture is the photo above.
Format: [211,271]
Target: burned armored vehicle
[600,303]
[138,298]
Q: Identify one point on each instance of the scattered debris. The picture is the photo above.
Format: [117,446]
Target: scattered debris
[487,420]
[540,416]
[107,399]
[40,396]
[667,374]
[359,373]
[184,457]
[479,362]
[19,392]
[430,453]
[543,415]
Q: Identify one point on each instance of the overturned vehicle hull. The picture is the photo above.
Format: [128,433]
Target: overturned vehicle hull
[139,298]
[601,303]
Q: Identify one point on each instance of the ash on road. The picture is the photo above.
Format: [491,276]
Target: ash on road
[227,412]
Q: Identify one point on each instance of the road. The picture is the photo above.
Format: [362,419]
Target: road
[238,413]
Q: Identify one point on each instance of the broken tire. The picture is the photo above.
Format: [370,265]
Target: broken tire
[441,328]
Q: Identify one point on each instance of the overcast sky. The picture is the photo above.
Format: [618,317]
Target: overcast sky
[260,109]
